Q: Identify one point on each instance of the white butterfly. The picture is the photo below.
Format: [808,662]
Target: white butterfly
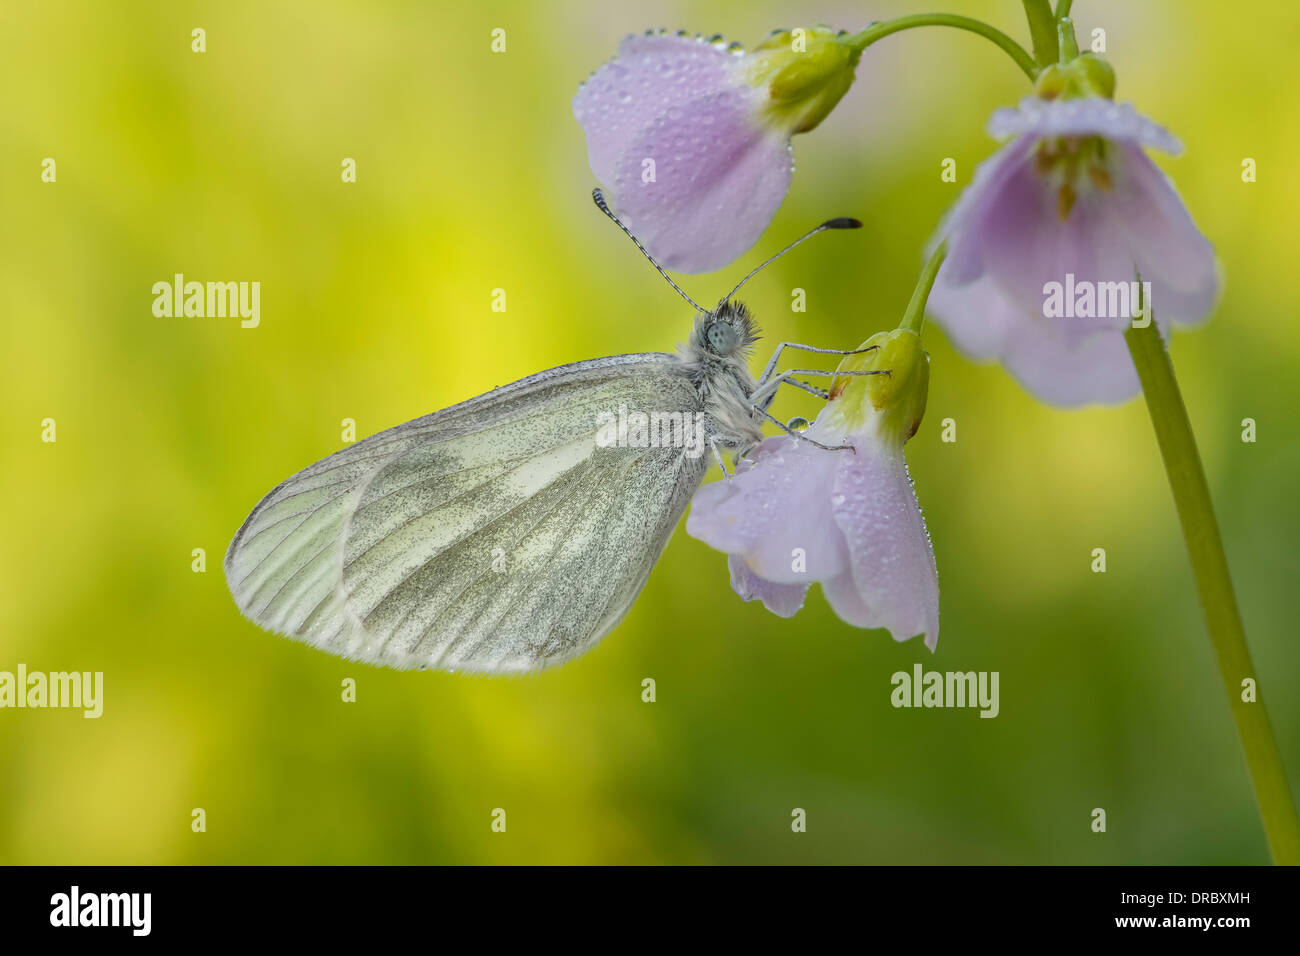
[499,536]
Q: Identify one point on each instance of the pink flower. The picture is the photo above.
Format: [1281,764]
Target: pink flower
[692,137]
[1057,218]
[794,513]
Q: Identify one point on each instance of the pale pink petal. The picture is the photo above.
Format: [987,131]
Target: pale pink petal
[783,600]
[1026,244]
[719,175]
[1088,116]
[650,75]
[977,317]
[1071,370]
[775,513]
[1163,240]
[891,561]
[1186,308]
[843,597]
[854,514]
[963,225]
[1063,361]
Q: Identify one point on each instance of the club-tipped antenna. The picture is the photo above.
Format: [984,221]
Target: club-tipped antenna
[843,222]
[599,197]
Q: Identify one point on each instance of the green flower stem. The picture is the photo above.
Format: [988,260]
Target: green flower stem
[1063,8]
[1065,36]
[1210,567]
[1042,27]
[915,314]
[877,31]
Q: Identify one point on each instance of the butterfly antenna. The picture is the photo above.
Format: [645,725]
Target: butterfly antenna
[599,197]
[844,222]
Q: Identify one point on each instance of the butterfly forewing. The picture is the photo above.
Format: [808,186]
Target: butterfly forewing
[495,536]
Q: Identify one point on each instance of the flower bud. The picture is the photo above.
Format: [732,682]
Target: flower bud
[896,399]
[1085,75]
[806,72]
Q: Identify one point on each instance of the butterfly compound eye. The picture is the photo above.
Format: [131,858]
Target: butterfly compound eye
[722,337]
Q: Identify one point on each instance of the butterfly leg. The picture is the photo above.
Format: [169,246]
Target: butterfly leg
[713,444]
[807,387]
[789,428]
[763,395]
[801,437]
[771,364]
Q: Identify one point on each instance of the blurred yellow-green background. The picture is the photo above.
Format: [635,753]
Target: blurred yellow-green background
[472,175]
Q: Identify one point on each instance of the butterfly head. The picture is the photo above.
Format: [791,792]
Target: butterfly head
[726,332]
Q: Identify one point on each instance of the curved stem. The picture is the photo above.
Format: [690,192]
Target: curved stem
[914,317]
[1214,586]
[877,31]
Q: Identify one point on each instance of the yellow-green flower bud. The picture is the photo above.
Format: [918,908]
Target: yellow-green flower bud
[806,72]
[897,399]
[1085,75]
